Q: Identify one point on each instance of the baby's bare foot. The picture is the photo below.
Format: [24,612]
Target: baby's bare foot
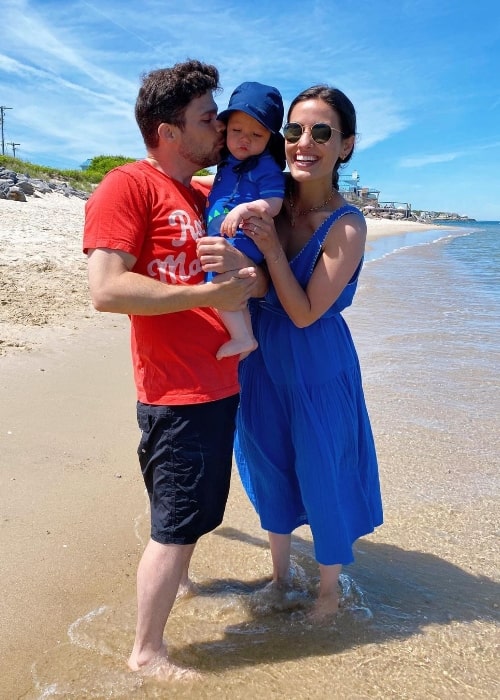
[237,347]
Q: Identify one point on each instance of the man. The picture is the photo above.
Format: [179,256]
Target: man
[141,228]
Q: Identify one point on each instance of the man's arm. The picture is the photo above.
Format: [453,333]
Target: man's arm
[115,288]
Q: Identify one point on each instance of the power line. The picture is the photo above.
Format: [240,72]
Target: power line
[2,117]
[11,143]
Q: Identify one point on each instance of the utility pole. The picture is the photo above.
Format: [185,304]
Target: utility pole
[2,116]
[11,143]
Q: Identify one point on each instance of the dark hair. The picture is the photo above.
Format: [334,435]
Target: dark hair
[165,93]
[276,148]
[342,105]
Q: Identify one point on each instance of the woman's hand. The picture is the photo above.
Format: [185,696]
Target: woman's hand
[260,228]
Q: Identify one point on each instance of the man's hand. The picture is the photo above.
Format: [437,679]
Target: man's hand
[217,255]
[231,290]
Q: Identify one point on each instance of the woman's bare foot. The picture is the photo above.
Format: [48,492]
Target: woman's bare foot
[325,607]
[327,602]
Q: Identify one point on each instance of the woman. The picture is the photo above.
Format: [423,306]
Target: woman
[304,445]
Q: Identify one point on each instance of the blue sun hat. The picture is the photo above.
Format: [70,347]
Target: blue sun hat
[262,102]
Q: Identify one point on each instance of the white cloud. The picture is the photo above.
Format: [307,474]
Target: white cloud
[447,157]
[420,161]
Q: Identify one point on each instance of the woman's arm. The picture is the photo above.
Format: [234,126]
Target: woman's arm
[343,250]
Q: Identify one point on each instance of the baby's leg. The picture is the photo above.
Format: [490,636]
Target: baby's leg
[240,329]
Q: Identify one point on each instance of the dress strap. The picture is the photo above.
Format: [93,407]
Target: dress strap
[321,233]
[325,227]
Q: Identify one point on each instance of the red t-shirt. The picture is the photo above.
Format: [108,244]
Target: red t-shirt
[139,210]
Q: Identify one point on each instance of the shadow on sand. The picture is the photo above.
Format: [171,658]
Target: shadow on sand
[405,590]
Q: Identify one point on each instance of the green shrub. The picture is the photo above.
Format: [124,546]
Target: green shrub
[84,180]
[100,165]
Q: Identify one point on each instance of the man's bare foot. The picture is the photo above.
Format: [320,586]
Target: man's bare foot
[187,589]
[237,347]
[325,607]
[162,669]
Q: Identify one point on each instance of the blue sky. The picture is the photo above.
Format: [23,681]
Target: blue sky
[424,77]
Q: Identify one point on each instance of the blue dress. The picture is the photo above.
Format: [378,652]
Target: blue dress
[304,446]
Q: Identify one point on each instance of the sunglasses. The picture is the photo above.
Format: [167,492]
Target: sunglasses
[321,133]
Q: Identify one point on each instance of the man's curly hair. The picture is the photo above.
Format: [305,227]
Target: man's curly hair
[165,93]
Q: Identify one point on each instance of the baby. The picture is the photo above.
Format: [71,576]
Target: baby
[252,171]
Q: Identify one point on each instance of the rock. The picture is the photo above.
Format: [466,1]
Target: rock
[16,186]
[16,194]
[26,186]
[42,186]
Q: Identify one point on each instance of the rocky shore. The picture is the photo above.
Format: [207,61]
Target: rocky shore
[19,186]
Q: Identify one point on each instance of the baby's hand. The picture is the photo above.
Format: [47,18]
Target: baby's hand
[231,223]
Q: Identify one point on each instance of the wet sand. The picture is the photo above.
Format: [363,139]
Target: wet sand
[74,522]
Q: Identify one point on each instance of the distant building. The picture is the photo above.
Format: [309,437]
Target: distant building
[350,188]
[86,164]
[349,183]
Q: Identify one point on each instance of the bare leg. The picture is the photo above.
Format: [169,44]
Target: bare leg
[158,576]
[187,587]
[328,599]
[240,329]
[280,553]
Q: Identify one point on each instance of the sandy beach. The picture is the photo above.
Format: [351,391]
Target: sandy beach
[43,272]
[74,518]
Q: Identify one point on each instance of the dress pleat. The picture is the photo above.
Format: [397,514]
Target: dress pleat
[304,445]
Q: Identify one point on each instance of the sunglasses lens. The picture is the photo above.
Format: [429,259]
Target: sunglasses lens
[292,132]
[321,133]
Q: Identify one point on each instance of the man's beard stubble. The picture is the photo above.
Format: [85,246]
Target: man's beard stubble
[200,157]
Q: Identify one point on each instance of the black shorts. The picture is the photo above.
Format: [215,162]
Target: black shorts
[185,453]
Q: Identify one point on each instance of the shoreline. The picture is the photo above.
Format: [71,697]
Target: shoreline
[43,283]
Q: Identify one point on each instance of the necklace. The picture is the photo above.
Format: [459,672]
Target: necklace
[299,212]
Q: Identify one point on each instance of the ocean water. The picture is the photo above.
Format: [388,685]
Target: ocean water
[436,298]
[426,325]
[420,604]
[472,247]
